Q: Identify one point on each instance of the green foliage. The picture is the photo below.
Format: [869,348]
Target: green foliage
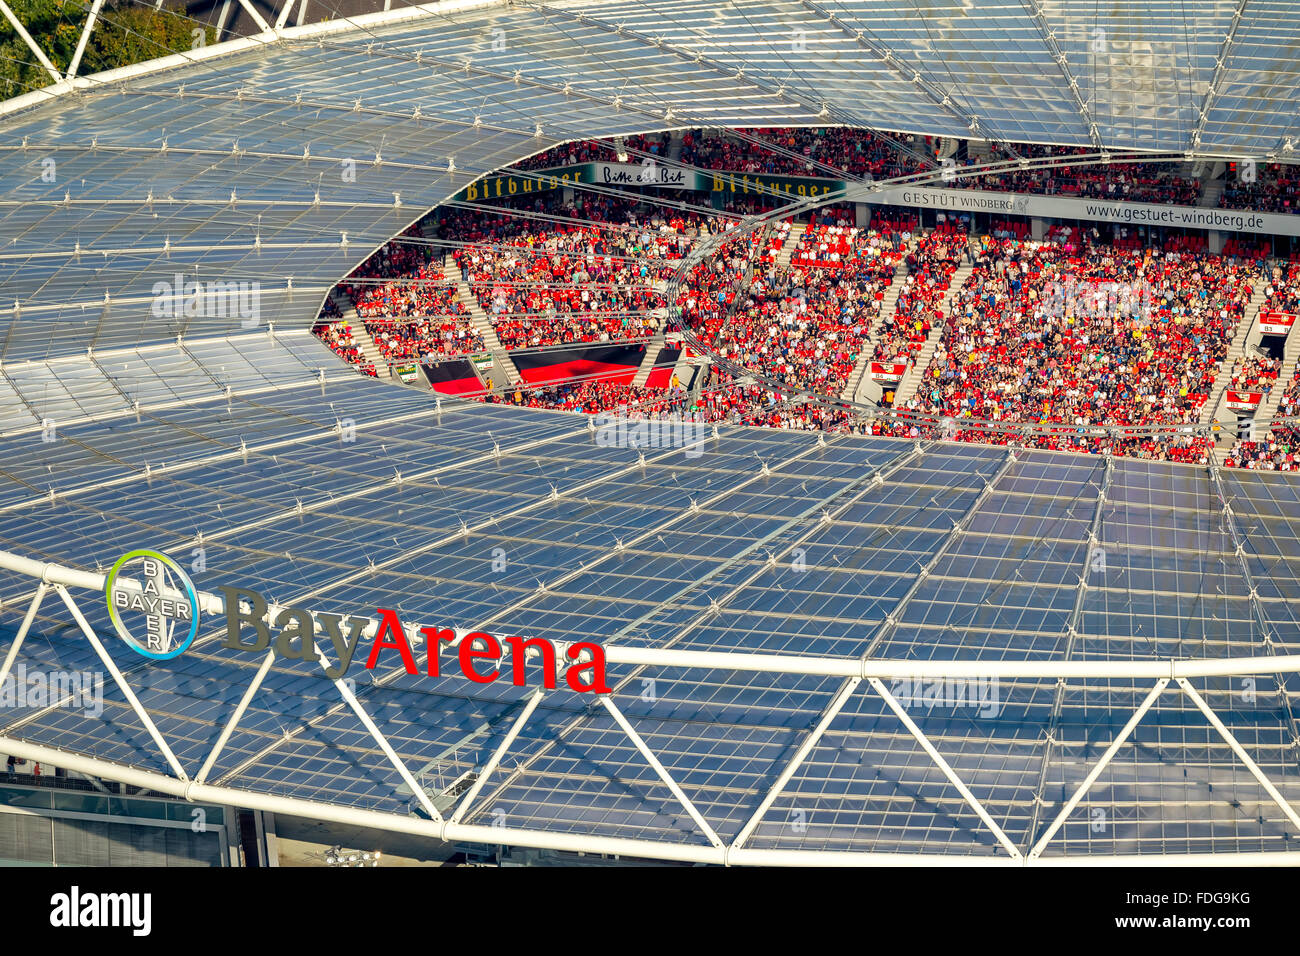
[125,33]
[142,33]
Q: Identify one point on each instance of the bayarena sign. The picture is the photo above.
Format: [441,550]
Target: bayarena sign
[162,594]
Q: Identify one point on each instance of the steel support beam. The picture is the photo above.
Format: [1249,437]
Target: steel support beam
[236,717]
[23,628]
[664,775]
[257,17]
[849,686]
[646,849]
[873,479]
[1039,17]
[1216,80]
[1240,751]
[284,14]
[127,692]
[809,742]
[362,715]
[808,665]
[31,44]
[944,766]
[221,19]
[486,524]
[1101,765]
[497,755]
[1072,634]
[1261,619]
[85,36]
[935,93]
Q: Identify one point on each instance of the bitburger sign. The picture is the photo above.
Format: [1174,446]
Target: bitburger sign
[291,633]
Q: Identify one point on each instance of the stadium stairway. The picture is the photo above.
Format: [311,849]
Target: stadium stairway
[1290,355]
[915,373]
[675,146]
[791,243]
[852,391]
[1211,190]
[652,350]
[360,334]
[483,326]
[981,151]
[1210,411]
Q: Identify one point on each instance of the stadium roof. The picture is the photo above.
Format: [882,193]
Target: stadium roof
[1134,620]
[827,552]
[225,163]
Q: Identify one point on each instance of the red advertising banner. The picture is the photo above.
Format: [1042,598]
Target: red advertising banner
[887,372]
[1276,323]
[1244,401]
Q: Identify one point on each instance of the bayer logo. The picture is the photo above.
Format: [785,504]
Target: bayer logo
[153,604]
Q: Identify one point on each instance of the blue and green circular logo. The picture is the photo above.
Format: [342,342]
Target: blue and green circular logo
[157,613]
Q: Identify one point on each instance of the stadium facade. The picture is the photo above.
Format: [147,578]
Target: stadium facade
[824,649]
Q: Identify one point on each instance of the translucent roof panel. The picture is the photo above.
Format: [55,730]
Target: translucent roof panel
[517,521]
[227,166]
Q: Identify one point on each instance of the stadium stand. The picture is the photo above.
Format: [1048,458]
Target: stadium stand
[1038,336]
[547,281]
[338,336]
[1276,189]
[1276,450]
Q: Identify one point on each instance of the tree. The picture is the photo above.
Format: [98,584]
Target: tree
[136,34]
[124,34]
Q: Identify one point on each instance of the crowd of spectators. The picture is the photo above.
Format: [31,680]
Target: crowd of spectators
[1104,337]
[931,261]
[592,396]
[1129,182]
[1256,373]
[1275,453]
[821,152]
[571,276]
[723,399]
[596,151]
[834,152]
[1027,341]
[429,340]
[1282,294]
[804,324]
[338,336]
[407,303]
[1276,189]
[1277,450]
[854,153]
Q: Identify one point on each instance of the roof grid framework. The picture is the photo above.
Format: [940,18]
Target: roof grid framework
[212,168]
[813,557]
[770,542]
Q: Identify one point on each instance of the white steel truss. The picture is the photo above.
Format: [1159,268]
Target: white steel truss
[847,689]
[27,39]
[855,670]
